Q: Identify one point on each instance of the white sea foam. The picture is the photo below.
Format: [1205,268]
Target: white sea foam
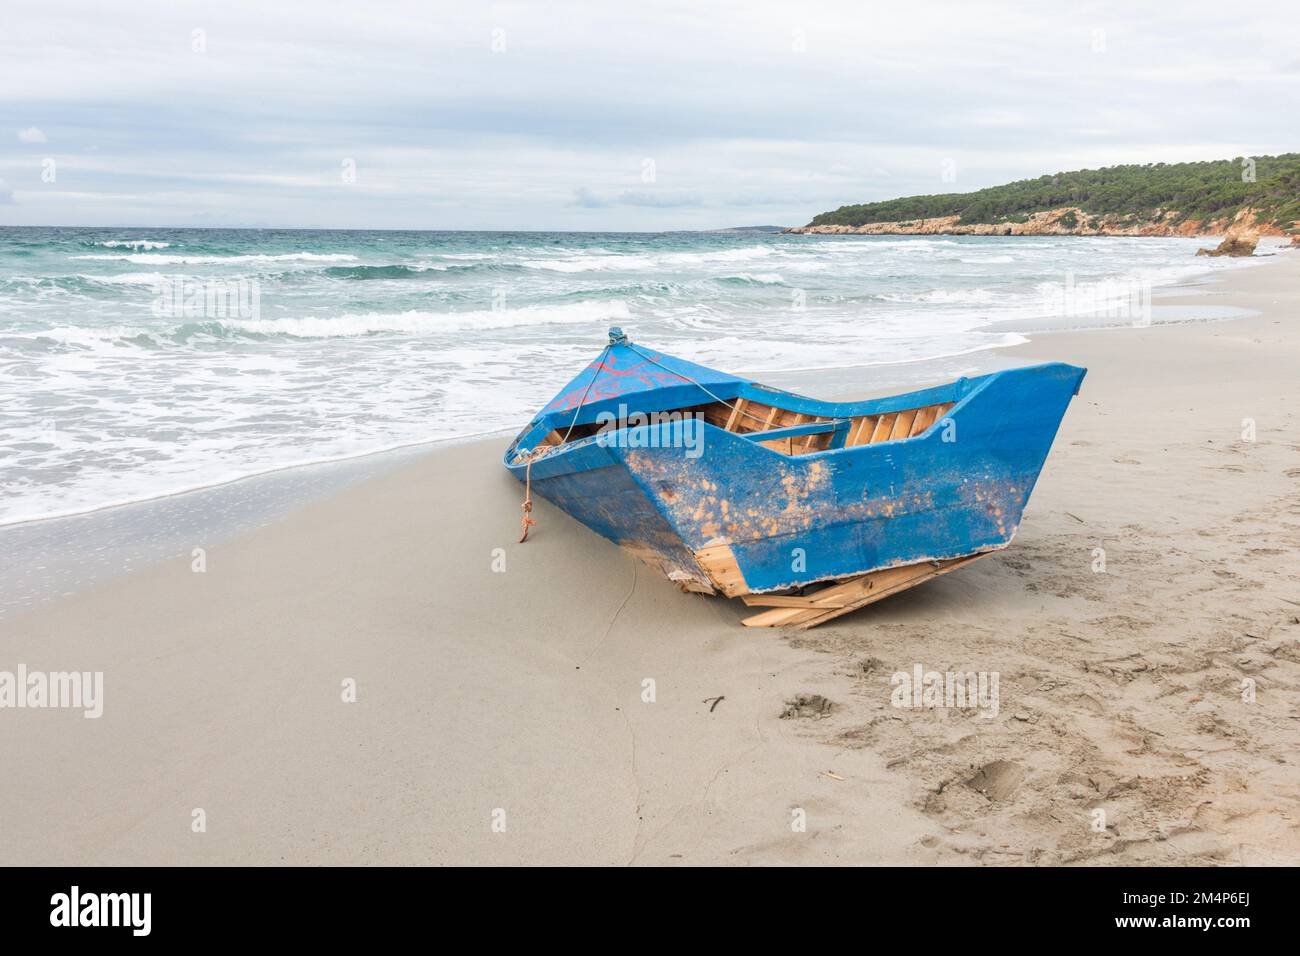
[853,246]
[761,278]
[630,263]
[590,263]
[743,254]
[129,278]
[79,335]
[348,325]
[414,322]
[948,296]
[154,259]
[134,244]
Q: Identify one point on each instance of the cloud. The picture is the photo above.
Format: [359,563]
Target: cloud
[584,197]
[654,199]
[449,134]
[993,119]
[6,194]
[646,198]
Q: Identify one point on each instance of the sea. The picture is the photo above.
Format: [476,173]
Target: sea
[137,363]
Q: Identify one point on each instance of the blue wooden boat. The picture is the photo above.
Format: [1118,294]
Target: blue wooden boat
[806,507]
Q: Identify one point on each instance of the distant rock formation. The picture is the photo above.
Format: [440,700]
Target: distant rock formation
[1205,198]
[1063,221]
[1238,242]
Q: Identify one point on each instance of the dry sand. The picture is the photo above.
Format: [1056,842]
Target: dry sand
[519,696]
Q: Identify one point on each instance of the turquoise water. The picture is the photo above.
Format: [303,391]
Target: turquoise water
[135,363]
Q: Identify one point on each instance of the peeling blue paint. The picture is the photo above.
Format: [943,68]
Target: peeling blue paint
[849,510]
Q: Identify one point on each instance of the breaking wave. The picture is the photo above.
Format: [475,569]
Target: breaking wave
[144,244]
[154,259]
[415,322]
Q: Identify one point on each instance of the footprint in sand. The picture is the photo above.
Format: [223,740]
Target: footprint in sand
[997,780]
[813,706]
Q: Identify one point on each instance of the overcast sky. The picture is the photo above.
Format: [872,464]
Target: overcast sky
[616,115]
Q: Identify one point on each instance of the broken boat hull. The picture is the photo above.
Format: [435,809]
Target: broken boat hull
[768,491]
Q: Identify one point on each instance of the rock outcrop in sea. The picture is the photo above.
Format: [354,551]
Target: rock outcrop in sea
[1238,242]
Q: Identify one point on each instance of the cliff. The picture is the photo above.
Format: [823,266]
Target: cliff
[1063,221]
[1260,193]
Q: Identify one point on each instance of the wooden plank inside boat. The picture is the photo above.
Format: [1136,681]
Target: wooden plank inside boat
[884,425]
[924,419]
[903,424]
[734,418]
[863,424]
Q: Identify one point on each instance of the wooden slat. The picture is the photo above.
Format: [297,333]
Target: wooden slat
[941,411]
[804,601]
[868,427]
[835,597]
[884,424]
[924,419]
[855,435]
[734,417]
[809,440]
[716,415]
[753,419]
[720,565]
[691,586]
[903,424]
[839,599]
[886,587]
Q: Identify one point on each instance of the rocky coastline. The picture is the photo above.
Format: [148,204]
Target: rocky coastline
[1062,221]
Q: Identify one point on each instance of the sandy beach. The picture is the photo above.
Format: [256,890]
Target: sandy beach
[574,707]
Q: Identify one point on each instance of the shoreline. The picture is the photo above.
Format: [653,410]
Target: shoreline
[947,226]
[1050,222]
[128,531]
[524,691]
[790,378]
[414,447]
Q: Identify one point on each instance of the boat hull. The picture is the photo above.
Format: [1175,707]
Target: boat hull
[719,511]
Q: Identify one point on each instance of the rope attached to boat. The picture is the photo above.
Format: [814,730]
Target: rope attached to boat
[679,374]
[528,519]
[542,451]
[600,362]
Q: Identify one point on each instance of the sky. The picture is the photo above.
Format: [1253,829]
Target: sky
[640,115]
